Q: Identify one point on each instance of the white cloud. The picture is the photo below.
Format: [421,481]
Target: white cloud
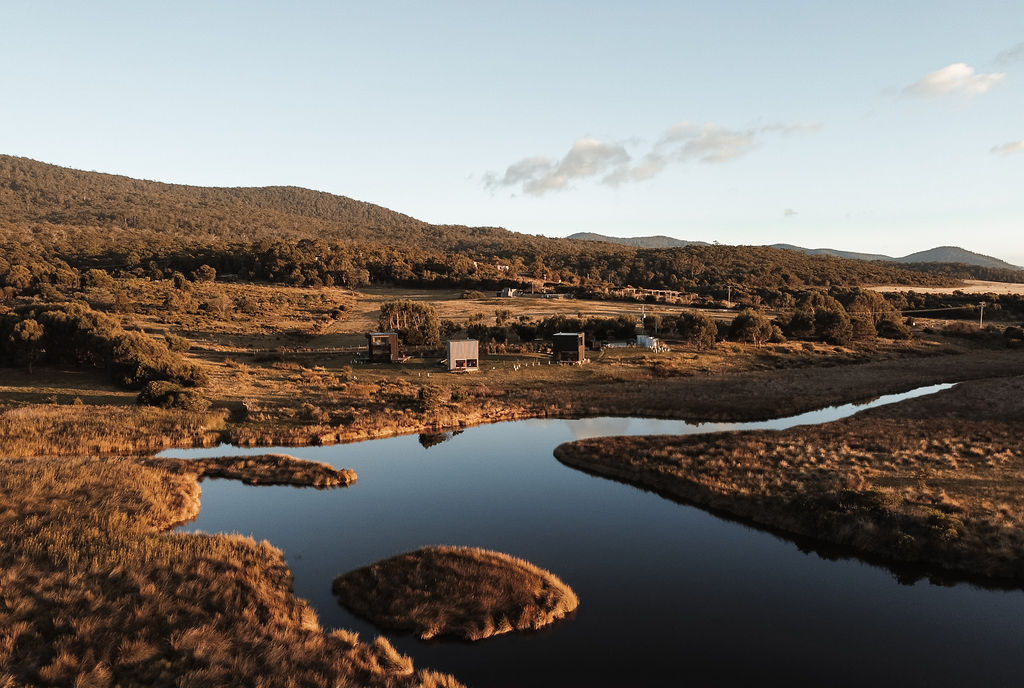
[956,78]
[1008,148]
[683,142]
[538,175]
[788,212]
[1014,54]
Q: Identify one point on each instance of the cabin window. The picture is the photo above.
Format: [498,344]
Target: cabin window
[460,363]
[471,363]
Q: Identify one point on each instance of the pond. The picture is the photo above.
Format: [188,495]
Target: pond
[669,594]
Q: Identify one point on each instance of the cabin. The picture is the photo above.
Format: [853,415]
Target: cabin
[463,355]
[382,347]
[647,342]
[568,347]
[509,293]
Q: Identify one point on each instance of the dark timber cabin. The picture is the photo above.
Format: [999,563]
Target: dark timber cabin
[463,355]
[568,347]
[382,346]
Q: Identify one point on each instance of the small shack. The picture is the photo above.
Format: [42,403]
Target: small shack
[463,355]
[568,347]
[382,347]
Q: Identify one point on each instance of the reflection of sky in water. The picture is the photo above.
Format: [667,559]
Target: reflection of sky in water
[669,593]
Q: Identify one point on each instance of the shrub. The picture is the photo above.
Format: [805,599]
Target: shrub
[171,396]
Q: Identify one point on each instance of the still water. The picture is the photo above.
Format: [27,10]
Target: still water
[669,594]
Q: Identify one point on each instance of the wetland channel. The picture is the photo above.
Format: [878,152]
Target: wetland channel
[669,594]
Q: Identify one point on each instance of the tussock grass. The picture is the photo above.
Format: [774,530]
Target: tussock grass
[69,430]
[93,593]
[264,469]
[937,480]
[464,592]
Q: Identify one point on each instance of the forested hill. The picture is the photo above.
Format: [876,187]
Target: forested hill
[56,222]
[32,191]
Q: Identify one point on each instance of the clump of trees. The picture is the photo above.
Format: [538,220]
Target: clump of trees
[72,333]
[417,324]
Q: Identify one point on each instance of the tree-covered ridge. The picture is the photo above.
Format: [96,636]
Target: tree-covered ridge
[56,223]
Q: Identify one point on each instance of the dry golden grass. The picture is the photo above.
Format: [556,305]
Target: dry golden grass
[465,592]
[76,429]
[937,480]
[92,593]
[263,469]
[968,287]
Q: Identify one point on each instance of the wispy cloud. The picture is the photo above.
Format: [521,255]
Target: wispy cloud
[788,212]
[680,143]
[1014,54]
[1008,148]
[956,78]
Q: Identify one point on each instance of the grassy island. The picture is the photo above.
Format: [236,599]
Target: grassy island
[264,469]
[937,480]
[464,592]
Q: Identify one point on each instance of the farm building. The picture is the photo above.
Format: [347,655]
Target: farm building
[647,342]
[382,347]
[568,347]
[463,355]
[509,293]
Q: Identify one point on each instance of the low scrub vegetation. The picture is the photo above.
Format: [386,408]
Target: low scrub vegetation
[464,592]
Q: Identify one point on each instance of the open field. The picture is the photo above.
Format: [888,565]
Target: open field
[464,592]
[969,287]
[937,480]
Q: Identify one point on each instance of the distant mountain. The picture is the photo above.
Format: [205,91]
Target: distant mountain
[640,242]
[852,255]
[940,254]
[955,254]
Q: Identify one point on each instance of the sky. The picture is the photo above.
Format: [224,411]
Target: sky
[883,127]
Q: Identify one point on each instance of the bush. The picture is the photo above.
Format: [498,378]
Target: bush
[171,396]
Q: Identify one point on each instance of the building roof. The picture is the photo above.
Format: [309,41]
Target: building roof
[380,334]
[457,341]
[567,334]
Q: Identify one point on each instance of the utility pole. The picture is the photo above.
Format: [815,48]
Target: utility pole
[981,315]
[728,299]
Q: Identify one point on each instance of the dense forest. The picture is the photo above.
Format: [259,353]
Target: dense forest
[57,223]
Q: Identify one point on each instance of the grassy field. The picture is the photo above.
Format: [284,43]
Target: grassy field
[938,480]
[969,287]
[465,592]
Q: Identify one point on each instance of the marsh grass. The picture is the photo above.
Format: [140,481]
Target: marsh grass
[94,593]
[264,469]
[937,480]
[77,429]
[463,592]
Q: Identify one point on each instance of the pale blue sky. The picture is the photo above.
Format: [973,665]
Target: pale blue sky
[813,123]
